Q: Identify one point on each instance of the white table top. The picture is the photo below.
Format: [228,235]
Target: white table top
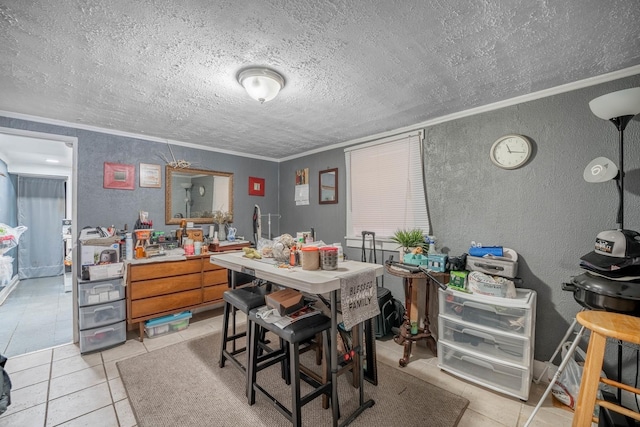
[315,281]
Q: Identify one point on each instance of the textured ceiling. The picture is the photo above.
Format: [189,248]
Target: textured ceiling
[353,68]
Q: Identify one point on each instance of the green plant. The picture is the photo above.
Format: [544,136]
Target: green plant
[409,238]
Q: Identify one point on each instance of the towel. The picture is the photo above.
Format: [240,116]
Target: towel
[359,297]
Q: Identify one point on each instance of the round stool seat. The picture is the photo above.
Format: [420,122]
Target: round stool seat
[613,325]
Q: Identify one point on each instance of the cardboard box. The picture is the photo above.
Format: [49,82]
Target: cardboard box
[285,301]
[99,254]
[105,271]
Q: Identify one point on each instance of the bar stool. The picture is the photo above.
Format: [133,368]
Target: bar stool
[291,339]
[603,325]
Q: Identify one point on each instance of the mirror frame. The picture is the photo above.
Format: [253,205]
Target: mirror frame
[327,172]
[168,216]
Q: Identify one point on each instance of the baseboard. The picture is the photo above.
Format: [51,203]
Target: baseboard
[4,293]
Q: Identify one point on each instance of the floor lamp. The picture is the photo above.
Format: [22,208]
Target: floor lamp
[618,107]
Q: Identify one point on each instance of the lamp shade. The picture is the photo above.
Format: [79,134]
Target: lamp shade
[262,84]
[617,104]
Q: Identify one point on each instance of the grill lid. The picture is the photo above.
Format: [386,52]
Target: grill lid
[603,286]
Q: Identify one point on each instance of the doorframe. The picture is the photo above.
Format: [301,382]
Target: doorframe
[74,208]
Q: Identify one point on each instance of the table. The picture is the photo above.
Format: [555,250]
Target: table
[405,337]
[314,282]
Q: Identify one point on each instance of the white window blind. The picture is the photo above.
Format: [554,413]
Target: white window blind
[385,191]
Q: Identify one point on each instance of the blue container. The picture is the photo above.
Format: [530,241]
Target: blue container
[486,250]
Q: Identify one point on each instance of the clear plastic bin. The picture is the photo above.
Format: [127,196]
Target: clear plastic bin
[509,379]
[90,293]
[103,337]
[102,314]
[167,324]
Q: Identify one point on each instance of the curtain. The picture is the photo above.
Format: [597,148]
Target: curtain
[41,208]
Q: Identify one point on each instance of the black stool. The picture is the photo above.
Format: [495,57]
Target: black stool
[243,299]
[291,338]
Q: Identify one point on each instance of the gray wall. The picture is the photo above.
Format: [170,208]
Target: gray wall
[104,207]
[545,210]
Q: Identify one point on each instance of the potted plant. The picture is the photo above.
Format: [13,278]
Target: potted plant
[408,239]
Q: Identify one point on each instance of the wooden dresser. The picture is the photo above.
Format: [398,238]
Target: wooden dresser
[159,288]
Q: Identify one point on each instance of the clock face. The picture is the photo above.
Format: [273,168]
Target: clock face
[201,190]
[511,151]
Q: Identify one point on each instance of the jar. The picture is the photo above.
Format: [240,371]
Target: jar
[329,258]
[310,258]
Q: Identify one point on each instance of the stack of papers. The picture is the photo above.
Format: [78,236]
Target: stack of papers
[271,315]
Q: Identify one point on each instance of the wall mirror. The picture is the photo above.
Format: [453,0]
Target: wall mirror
[195,194]
[328,190]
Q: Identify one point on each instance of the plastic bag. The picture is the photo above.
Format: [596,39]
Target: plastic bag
[567,386]
[9,237]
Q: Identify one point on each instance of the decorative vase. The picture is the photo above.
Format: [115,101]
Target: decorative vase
[222,231]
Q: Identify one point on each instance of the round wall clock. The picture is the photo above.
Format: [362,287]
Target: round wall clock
[511,151]
[201,190]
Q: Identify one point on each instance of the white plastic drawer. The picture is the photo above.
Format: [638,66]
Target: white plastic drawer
[508,379]
[488,342]
[103,337]
[90,293]
[102,314]
[503,314]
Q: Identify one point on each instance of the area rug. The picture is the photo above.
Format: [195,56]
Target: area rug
[182,385]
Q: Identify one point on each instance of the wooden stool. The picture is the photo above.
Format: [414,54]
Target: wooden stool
[603,325]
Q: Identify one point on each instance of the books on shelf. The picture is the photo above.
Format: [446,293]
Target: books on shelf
[271,315]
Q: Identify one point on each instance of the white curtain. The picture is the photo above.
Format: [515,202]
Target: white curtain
[41,208]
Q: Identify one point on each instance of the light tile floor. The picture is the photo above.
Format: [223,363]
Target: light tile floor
[37,314]
[60,387]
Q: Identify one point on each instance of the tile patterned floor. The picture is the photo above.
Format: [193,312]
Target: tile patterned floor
[37,314]
[60,387]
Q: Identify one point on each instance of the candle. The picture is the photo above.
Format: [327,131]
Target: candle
[211,231]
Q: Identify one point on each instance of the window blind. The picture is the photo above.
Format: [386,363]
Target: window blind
[385,191]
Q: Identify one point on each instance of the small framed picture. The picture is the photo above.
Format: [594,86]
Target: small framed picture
[150,176]
[256,186]
[119,176]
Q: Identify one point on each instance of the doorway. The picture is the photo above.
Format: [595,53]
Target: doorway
[37,307]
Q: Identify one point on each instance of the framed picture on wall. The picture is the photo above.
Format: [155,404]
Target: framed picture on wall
[119,176]
[150,176]
[256,186]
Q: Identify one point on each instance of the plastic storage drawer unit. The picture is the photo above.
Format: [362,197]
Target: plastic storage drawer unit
[491,373]
[102,314]
[90,293]
[103,337]
[472,338]
[504,314]
[164,325]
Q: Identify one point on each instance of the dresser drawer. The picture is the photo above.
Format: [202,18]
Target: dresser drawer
[103,337]
[164,286]
[214,277]
[102,314]
[488,342]
[90,293]
[172,302]
[164,269]
[214,293]
[503,314]
[490,373]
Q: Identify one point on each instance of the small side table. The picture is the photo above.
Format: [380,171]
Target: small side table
[405,337]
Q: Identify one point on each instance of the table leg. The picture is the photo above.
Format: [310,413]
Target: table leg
[141,331]
[333,358]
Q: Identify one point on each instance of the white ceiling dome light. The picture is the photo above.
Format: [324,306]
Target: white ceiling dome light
[262,84]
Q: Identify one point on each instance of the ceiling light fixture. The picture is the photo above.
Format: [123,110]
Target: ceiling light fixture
[618,107]
[52,161]
[262,84]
